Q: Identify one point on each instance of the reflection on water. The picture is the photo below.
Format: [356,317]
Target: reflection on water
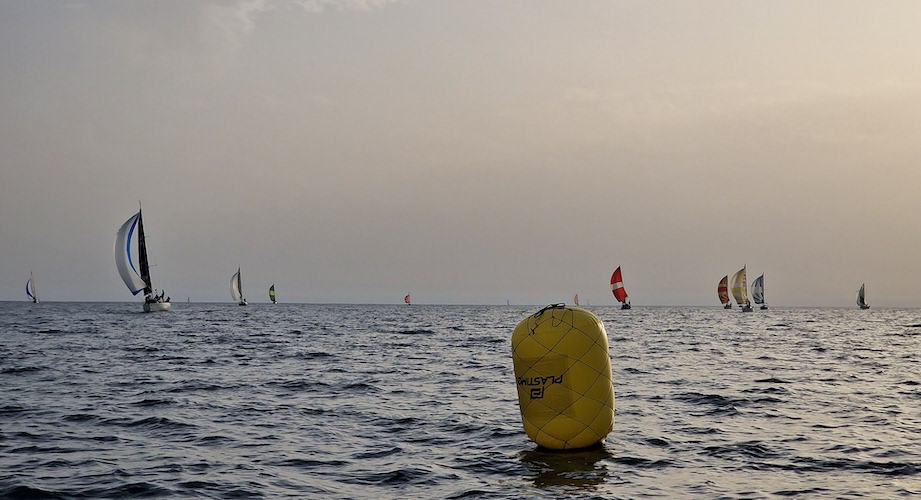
[578,469]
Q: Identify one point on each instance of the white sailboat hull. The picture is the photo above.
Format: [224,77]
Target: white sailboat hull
[156,306]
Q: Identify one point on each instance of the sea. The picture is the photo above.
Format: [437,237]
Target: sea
[99,400]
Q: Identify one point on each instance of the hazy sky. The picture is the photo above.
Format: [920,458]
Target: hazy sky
[465,151]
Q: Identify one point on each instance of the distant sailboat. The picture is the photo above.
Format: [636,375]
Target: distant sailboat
[758,292]
[617,288]
[861,298]
[406,299]
[739,290]
[272,293]
[575,300]
[236,288]
[723,291]
[135,282]
[30,289]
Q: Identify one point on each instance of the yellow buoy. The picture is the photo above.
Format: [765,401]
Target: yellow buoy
[563,373]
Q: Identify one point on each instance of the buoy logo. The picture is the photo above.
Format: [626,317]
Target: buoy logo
[540,384]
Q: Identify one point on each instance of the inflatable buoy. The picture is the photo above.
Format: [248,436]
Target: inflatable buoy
[563,374]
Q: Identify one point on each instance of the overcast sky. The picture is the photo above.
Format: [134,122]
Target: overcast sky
[467,152]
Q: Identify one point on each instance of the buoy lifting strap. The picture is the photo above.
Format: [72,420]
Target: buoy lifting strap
[551,306]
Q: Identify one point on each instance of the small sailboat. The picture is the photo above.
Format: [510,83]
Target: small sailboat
[135,282]
[723,291]
[272,293]
[862,298]
[617,288]
[758,292]
[575,299]
[30,289]
[406,299]
[739,290]
[236,288]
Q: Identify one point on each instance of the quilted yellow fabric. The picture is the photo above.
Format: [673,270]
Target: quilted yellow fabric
[563,373]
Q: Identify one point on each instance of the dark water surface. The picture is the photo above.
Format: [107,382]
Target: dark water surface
[352,401]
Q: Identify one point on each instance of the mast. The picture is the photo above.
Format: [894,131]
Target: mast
[142,257]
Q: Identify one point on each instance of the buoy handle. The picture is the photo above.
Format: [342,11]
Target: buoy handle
[558,305]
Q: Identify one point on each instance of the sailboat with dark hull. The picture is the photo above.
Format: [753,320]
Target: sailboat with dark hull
[137,282]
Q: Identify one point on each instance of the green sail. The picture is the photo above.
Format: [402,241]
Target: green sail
[272,293]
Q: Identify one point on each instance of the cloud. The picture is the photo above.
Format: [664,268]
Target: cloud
[318,6]
[227,24]
[239,19]
[235,21]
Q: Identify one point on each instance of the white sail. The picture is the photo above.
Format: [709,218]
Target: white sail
[123,262]
[758,290]
[30,289]
[236,287]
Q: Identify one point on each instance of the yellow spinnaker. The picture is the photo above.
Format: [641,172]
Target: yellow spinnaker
[563,373]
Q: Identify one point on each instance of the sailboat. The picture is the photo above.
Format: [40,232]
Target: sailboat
[272,293]
[406,299]
[575,299]
[236,288]
[723,291]
[739,290]
[30,289]
[617,288]
[861,298]
[758,292]
[135,282]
